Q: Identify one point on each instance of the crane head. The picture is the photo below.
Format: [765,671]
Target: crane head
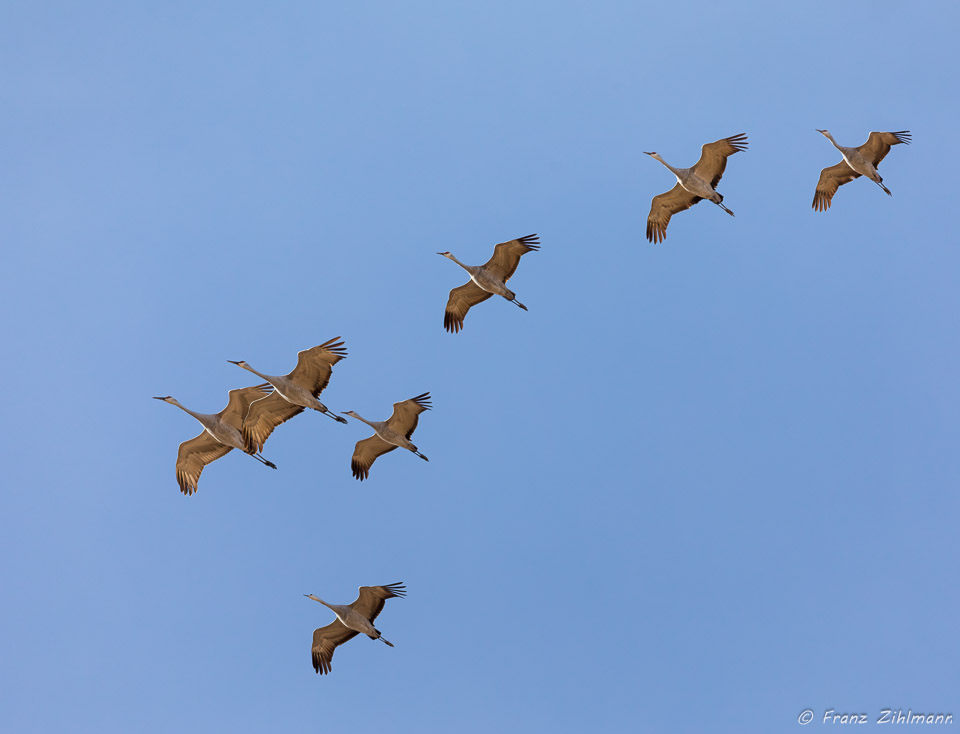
[241,363]
[445,254]
[824,132]
[165,399]
[351,413]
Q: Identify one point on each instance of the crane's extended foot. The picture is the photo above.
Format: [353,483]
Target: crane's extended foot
[337,418]
[724,208]
[264,461]
[421,456]
[880,184]
[519,304]
[385,641]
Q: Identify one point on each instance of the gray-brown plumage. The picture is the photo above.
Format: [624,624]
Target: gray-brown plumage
[293,392]
[860,161]
[352,619]
[693,184]
[389,434]
[222,432]
[487,280]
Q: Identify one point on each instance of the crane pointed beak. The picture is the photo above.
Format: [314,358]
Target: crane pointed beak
[156,398]
[232,362]
[646,153]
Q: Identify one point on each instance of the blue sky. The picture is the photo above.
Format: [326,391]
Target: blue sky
[699,486]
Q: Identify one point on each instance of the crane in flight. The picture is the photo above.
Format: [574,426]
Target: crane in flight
[352,619]
[222,432]
[389,434]
[293,392]
[487,280]
[860,161]
[693,184]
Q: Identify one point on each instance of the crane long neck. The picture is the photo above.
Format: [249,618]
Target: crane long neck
[672,169]
[465,267]
[268,378]
[361,418]
[191,412]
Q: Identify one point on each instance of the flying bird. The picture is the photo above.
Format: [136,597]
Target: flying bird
[352,619]
[860,161]
[389,434]
[693,184]
[293,392]
[487,279]
[221,434]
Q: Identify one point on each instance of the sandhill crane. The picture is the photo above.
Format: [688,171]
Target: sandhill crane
[693,184]
[221,434]
[487,279]
[389,434]
[352,619]
[860,161]
[293,392]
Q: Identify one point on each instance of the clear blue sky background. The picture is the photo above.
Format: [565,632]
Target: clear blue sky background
[698,487]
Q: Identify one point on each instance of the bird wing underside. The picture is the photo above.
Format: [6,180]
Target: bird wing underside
[371,599]
[831,179]
[406,414]
[264,416]
[713,157]
[195,454]
[239,403]
[365,453]
[325,641]
[665,206]
[461,300]
[878,145]
[506,256]
[315,365]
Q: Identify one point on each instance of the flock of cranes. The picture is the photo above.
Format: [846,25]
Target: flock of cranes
[700,181]
[253,413]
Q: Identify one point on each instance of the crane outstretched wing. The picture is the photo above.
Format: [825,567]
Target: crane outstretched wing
[878,145]
[264,416]
[193,456]
[315,365]
[406,414]
[665,206]
[371,599]
[365,453]
[325,641]
[713,157]
[506,256]
[461,300]
[831,179]
[239,403]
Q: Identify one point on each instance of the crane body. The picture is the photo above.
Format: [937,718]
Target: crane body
[694,184]
[487,280]
[352,619]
